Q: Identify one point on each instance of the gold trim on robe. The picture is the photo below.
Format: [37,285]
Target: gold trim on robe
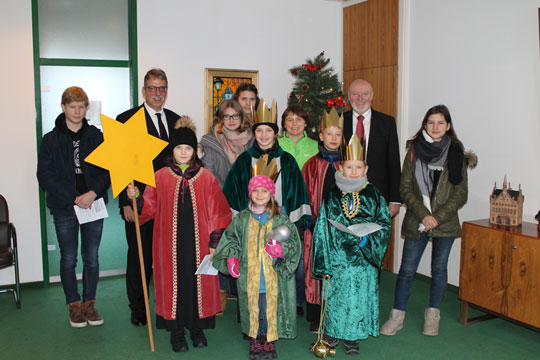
[256,255]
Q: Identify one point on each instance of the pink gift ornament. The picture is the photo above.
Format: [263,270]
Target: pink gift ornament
[233,265]
[273,249]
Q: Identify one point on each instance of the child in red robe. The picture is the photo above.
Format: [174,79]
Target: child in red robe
[190,213]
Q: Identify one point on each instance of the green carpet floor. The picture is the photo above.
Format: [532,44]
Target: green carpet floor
[40,330]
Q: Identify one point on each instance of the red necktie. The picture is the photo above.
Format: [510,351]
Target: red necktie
[162,131]
[360,127]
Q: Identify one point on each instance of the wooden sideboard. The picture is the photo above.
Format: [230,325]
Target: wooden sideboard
[500,272]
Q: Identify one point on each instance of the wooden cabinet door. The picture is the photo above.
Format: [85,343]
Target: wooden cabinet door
[482,280]
[524,280]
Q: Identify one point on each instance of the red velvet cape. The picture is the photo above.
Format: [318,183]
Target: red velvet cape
[314,172]
[210,212]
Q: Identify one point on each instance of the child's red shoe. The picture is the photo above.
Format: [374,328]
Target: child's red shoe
[269,349]
[255,349]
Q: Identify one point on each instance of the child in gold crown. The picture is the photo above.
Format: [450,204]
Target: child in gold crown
[352,262]
[264,265]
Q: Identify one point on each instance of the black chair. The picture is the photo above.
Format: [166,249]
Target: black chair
[8,249]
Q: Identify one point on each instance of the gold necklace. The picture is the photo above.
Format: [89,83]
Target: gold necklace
[351,207]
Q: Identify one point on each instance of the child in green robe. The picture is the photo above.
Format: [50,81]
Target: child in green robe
[264,267]
[353,262]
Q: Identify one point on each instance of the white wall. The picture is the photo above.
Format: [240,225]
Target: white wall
[482,59]
[18,156]
[181,37]
[269,36]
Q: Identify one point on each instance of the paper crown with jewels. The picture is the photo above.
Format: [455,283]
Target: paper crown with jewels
[265,167]
[331,119]
[266,115]
[354,150]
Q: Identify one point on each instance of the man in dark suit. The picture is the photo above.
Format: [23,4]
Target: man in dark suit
[381,139]
[160,123]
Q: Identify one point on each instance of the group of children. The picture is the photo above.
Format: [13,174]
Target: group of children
[266,192]
[249,231]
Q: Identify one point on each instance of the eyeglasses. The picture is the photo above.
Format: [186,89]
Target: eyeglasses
[233,117]
[155,88]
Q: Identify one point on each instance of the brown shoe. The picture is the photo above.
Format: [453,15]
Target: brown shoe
[223,299]
[76,315]
[91,313]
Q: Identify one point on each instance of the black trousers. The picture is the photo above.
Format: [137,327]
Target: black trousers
[133,270]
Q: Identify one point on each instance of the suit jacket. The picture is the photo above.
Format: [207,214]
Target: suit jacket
[382,154]
[159,161]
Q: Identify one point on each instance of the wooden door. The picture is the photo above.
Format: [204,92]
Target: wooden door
[524,279]
[370,52]
[482,278]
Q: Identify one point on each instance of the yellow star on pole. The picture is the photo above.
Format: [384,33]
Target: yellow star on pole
[127,151]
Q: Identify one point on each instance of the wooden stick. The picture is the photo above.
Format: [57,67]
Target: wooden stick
[143,274]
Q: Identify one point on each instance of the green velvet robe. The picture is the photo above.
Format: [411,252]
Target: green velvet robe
[353,298]
[290,187]
[234,243]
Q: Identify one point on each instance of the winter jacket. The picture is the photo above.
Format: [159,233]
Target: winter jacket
[445,203]
[306,148]
[214,157]
[56,173]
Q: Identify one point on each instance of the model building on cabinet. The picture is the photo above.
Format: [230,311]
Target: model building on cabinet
[506,205]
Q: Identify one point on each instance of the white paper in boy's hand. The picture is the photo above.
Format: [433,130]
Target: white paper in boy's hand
[206,267]
[359,230]
[97,211]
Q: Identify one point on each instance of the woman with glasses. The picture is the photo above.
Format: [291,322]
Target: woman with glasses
[230,136]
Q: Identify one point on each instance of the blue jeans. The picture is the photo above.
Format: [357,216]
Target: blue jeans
[67,231]
[412,253]
[263,322]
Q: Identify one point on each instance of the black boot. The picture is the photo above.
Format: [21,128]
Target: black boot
[198,338]
[178,341]
[351,347]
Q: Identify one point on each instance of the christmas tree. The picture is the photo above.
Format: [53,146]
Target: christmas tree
[316,88]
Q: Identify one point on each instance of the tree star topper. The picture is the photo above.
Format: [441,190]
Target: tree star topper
[127,151]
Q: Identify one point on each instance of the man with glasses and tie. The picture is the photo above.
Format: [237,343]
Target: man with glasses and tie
[160,123]
[380,137]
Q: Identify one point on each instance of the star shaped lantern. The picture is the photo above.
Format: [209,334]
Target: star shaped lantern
[127,151]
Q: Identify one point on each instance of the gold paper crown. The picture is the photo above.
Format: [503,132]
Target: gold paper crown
[331,119]
[265,167]
[266,115]
[354,150]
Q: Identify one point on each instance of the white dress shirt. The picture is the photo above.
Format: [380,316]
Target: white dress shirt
[367,125]
[154,118]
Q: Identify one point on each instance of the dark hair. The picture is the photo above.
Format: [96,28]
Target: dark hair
[437,109]
[235,105]
[295,109]
[247,87]
[155,73]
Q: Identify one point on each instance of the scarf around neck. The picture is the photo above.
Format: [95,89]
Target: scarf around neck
[233,143]
[429,156]
[273,148]
[350,185]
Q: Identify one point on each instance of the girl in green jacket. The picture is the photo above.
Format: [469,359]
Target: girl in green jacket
[434,187]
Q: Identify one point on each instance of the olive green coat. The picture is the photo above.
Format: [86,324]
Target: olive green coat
[446,201]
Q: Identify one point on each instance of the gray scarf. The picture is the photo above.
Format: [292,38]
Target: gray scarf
[349,185]
[423,171]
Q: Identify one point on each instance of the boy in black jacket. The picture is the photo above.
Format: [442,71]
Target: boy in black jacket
[68,180]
